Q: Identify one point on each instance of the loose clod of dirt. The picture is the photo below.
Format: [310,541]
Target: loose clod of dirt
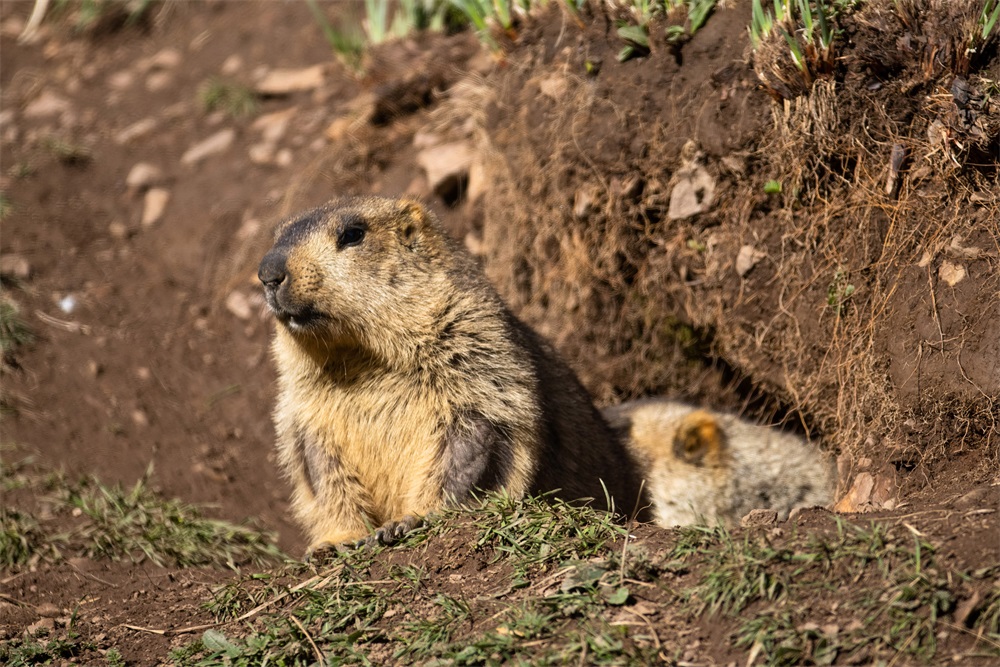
[697,222]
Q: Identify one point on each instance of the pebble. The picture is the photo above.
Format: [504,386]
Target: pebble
[48,610]
[153,206]
[692,194]
[238,304]
[951,273]
[272,126]
[284,157]
[158,81]
[118,230]
[285,81]
[262,153]
[46,104]
[136,130]
[15,266]
[167,58]
[747,258]
[759,517]
[139,418]
[121,80]
[143,175]
[44,624]
[231,65]
[217,143]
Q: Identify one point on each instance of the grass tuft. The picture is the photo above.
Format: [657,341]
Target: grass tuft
[139,525]
[236,100]
[14,331]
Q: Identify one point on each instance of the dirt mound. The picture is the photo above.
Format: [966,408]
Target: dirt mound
[837,252]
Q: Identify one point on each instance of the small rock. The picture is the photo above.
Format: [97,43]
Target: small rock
[971,500]
[238,304]
[136,130]
[272,126]
[231,65]
[143,373]
[158,81]
[167,58]
[153,206]
[118,230]
[693,192]
[285,81]
[262,153]
[869,493]
[217,143]
[758,518]
[42,625]
[48,610]
[46,104]
[925,259]
[139,418]
[951,273]
[747,258]
[15,266]
[554,87]
[956,249]
[121,80]
[284,157]
[94,369]
[858,497]
[447,167]
[143,176]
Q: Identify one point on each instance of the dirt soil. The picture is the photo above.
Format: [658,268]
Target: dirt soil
[151,342]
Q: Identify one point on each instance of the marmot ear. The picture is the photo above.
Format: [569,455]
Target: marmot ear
[417,217]
[699,440]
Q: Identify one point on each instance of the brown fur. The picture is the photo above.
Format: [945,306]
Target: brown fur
[406,384]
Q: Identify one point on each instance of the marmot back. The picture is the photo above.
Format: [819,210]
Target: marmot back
[706,466]
[405,383]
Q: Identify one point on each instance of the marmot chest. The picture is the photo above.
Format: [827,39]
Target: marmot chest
[387,433]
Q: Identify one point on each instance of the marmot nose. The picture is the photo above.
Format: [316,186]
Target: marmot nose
[272,271]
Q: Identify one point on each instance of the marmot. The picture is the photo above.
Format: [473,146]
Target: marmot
[709,466]
[405,383]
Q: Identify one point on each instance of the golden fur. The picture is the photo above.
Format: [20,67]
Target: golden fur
[404,382]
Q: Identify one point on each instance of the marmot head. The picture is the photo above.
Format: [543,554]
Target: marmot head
[355,271]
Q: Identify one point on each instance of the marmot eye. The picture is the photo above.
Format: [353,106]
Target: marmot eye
[350,236]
